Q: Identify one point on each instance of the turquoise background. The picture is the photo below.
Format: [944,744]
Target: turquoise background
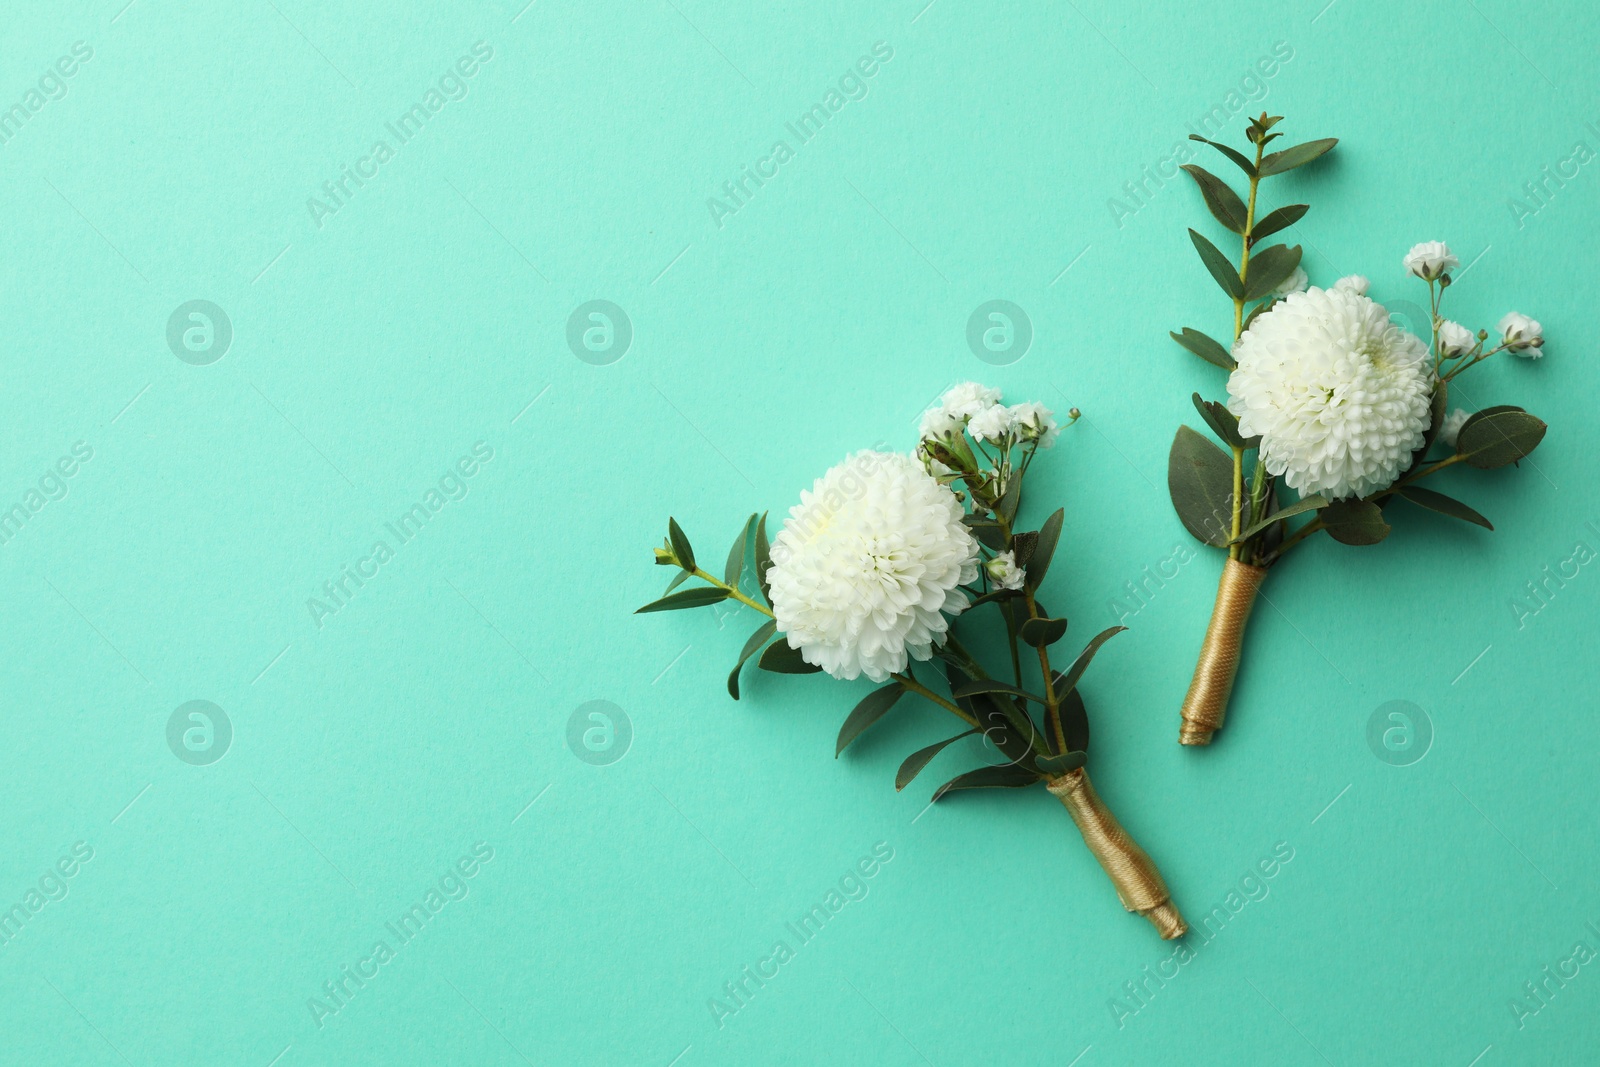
[428,715]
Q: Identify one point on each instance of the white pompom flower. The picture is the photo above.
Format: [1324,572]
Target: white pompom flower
[1450,429]
[1431,260]
[869,564]
[1455,339]
[1339,395]
[1523,336]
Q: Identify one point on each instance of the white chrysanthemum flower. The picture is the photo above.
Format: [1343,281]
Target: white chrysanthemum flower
[1036,422]
[1450,429]
[967,399]
[1004,572]
[1340,396]
[1455,339]
[993,423]
[1431,260]
[1523,335]
[1294,283]
[1355,283]
[868,564]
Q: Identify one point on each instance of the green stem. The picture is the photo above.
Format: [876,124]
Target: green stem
[921,690]
[733,592]
[1246,240]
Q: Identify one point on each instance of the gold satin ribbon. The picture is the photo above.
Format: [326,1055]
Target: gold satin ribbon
[1132,872]
[1207,701]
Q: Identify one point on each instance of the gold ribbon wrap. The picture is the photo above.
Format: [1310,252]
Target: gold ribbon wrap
[1132,872]
[1207,701]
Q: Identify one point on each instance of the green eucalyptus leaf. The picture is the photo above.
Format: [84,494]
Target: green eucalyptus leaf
[690,598]
[1354,522]
[1296,156]
[1217,263]
[1200,480]
[1444,505]
[1300,507]
[1045,549]
[779,658]
[1007,506]
[1055,766]
[734,568]
[677,580]
[988,778]
[1074,720]
[1042,633]
[1223,423]
[762,635]
[1269,269]
[1074,673]
[763,557]
[1241,160]
[1277,220]
[1498,438]
[921,758]
[872,707]
[1204,347]
[680,545]
[1223,203]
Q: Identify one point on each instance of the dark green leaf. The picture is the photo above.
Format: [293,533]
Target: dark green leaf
[1006,726]
[1045,550]
[1295,156]
[921,758]
[1222,201]
[1499,438]
[1217,263]
[689,598]
[1200,479]
[1041,633]
[1269,269]
[1022,546]
[735,565]
[1074,720]
[1495,410]
[779,658]
[1277,220]
[1056,766]
[1205,348]
[680,545]
[991,685]
[1444,505]
[870,710]
[677,580]
[1354,522]
[1239,158]
[996,595]
[763,557]
[1006,507]
[762,635]
[1074,673]
[1300,507]
[1223,423]
[988,778]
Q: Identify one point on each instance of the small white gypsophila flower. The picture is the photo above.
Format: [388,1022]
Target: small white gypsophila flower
[938,423]
[1455,339]
[868,564]
[1035,422]
[1340,396]
[1430,260]
[967,399]
[993,423]
[1004,572]
[1355,283]
[1450,430]
[1294,283]
[1523,335]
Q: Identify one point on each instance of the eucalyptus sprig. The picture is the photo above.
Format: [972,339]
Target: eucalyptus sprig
[1326,395]
[970,464]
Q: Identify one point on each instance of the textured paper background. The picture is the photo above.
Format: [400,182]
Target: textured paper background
[429,714]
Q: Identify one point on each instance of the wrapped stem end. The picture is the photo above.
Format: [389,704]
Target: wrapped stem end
[1138,883]
[1207,701]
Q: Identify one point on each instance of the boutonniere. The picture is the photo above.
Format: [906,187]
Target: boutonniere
[891,562]
[1327,396]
